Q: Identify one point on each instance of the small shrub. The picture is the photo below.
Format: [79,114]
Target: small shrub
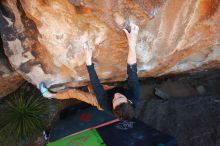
[23,116]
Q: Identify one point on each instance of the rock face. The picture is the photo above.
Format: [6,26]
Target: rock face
[10,79]
[43,39]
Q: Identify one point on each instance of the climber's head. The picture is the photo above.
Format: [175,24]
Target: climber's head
[122,107]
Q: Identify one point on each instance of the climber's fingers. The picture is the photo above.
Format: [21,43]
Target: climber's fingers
[86,46]
[134,28]
[126,32]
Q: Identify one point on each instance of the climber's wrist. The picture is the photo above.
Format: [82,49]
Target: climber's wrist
[89,62]
[132,48]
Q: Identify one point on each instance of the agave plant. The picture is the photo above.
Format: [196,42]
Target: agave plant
[24,116]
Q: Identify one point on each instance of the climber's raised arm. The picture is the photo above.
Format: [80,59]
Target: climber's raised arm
[98,88]
[133,83]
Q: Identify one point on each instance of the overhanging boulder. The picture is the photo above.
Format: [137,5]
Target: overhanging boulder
[43,39]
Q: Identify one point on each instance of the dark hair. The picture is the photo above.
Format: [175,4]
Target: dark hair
[124,111]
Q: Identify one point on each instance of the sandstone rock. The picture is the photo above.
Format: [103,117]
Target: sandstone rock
[10,79]
[43,39]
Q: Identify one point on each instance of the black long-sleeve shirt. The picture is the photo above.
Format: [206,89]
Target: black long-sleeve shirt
[105,97]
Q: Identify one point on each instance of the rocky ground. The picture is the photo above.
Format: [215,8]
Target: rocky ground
[186,107]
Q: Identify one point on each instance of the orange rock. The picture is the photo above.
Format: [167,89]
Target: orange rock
[43,39]
[9,82]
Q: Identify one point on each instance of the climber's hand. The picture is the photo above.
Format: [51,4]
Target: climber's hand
[132,39]
[132,36]
[44,90]
[88,53]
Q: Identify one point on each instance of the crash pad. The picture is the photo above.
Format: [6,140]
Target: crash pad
[87,126]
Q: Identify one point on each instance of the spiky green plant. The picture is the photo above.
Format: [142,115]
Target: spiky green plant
[24,116]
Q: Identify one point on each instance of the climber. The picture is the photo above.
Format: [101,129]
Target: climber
[119,101]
